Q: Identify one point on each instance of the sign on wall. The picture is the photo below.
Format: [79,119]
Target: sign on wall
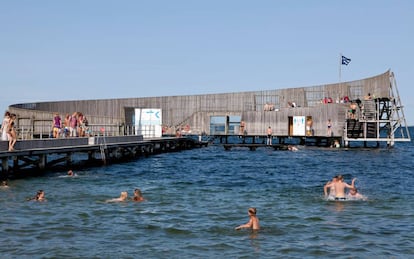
[299,126]
[148,122]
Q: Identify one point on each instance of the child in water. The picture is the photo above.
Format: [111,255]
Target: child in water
[123,197]
[355,195]
[253,222]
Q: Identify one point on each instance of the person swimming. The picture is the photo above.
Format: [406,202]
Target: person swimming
[40,196]
[4,184]
[355,195]
[253,222]
[123,197]
[138,196]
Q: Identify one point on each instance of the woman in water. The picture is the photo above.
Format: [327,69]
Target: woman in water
[253,222]
[138,196]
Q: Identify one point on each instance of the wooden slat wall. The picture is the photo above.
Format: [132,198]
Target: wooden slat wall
[196,110]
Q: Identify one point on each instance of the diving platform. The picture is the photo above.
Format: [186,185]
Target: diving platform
[377,119]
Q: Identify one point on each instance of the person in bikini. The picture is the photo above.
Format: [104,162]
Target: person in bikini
[339,187]
[11,132]
[253,222]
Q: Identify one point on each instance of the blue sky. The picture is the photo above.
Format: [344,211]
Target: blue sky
[98,49]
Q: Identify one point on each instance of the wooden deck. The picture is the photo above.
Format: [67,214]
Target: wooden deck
[49,154]
[278,142]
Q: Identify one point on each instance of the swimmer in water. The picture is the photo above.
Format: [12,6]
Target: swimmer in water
[253,222]
[40,196]
[123,197]
[138,196]
[355,195]
[292,148]
[331,189]
[4,184]
[340,186]
[71,173]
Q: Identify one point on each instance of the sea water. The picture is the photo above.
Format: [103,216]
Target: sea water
[195,199]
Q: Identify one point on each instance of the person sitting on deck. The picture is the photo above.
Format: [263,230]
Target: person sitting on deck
[253,222]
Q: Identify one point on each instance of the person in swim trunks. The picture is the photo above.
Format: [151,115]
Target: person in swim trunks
[340,186]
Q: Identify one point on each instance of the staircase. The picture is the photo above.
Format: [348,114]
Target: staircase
[354,128]
[368,110]
[371,130]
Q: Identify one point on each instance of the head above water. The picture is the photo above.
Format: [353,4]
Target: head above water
[124,195]
[252,211]
[137,192]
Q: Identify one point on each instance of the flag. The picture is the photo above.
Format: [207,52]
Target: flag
[345,60]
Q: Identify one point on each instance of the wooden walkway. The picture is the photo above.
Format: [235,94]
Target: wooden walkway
[48,154]
[278,142]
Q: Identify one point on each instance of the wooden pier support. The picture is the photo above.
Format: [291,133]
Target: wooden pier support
[34,155]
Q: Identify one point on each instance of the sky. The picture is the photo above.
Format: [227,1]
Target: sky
[100,49]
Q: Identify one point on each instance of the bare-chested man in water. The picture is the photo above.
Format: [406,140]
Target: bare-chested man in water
[340,186]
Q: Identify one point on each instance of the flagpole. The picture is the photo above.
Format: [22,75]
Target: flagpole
[340,66]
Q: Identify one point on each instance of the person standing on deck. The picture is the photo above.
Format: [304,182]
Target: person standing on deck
[73,131]
[11,132]
[269,136]
[56,125]
[4,126]
[329,128]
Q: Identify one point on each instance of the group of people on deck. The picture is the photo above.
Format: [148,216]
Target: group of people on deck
[75,125]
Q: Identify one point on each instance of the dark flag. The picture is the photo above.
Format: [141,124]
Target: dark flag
[345,60]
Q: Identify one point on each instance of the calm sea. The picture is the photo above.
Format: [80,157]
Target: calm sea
[195,199]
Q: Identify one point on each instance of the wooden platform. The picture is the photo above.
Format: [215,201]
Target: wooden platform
[48,154]
[279,142]
[253,147]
